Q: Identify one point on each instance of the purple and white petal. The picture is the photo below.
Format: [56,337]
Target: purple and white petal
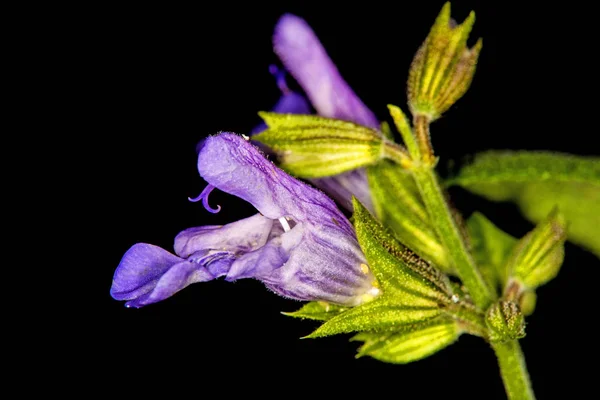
[176,278]
[216,262]
[318,257]
[140,269]
[237,237]
[305,58]
[324,266]
[148,273]
[261,263]
[235,166]
[343,186]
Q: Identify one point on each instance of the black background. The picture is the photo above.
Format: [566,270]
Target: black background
[155,79]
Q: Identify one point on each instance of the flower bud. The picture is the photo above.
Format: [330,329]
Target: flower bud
[505,321]
[442,69]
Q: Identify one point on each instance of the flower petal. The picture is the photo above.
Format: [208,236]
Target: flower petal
[176,278]
[139,270]
[148,274]
[235,166]
[216,262]
[343,186]
[262,262]
[238,237]
[305,263]
[303,55]
[324,266]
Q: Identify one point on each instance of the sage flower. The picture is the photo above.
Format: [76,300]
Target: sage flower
[299,244]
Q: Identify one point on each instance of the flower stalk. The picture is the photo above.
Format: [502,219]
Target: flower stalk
[510,357]
[449,233]
[423,139]
[513,370]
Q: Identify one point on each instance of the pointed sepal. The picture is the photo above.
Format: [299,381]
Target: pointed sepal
[413,343]
[310,146]
[398,205]
[538,256]
[403,125]
[378,315]
[399,271]
[411,290]
[317,310]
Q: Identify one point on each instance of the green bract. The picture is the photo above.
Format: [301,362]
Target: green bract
[398,205]
[312,147]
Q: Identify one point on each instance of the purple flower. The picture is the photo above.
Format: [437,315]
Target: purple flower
[299,245]
[305,58]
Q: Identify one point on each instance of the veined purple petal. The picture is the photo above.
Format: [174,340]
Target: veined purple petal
[176,278]
[323,266]
[235,166]
[140,268]
[216,262]
[341,188]
[148,273]
[303,55]
[274,255]
[237,237]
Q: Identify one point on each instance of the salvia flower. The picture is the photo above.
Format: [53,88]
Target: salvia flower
[305,58]
[299,245]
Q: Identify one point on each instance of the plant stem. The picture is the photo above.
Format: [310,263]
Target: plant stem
[421,131]
[396,153]
[513,370]
[449,234]
[444,222]
[510,357]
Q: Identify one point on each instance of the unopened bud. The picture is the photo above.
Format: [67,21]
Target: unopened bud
[505,321]
[443,68]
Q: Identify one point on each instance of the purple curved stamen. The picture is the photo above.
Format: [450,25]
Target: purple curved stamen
[204,197]
[279,75]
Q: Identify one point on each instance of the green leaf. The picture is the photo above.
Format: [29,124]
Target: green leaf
[539,181]
[399,271]
[377,315]
[317,310]
[491,248]
[538,256]
[413,343]
[313,147]
[398,205]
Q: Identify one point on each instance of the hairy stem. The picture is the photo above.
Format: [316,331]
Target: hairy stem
[421,131]
[450,235]
[513,370]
